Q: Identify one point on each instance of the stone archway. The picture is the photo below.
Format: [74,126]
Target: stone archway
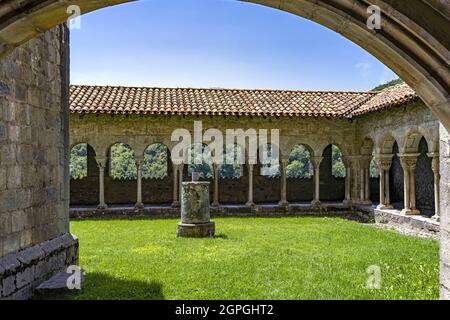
[413,40]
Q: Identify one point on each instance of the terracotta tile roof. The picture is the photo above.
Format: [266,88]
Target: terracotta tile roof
[388,98]
[188,101]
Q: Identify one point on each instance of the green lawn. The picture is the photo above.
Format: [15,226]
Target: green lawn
[253,258]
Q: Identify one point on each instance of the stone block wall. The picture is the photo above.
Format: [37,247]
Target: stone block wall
[34,191]
[445,212]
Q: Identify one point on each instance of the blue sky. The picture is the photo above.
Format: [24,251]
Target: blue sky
[216,43]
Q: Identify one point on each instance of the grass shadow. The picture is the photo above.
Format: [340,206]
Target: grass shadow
[221,236]
[100,286]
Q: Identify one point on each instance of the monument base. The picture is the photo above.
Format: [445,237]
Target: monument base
[204,230]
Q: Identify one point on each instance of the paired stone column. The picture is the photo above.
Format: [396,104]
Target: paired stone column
[139,204]
[348,182]
[365,180]
[384,162]
[175,171]
[409,162]
[283,179]
[250,202]
[316,164]
[101,163]
[216,170]
[437,180]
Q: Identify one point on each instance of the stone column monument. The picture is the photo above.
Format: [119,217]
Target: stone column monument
[195,214]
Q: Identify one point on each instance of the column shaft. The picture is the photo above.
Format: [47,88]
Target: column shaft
[283,195]
[412,189]
[101,194]
[139,204]
[216,185]
[387,189]
[382,190]
[250,186]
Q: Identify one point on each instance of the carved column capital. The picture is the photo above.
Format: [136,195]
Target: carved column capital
[384,161]
[316,161]
[101,161]
[139,160]
[408,160]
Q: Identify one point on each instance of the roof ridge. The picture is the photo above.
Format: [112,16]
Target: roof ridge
[226,89]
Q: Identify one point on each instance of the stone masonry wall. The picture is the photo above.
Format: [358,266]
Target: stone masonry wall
[445,212]
[34,193]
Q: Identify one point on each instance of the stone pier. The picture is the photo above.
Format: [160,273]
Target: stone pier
[195,211]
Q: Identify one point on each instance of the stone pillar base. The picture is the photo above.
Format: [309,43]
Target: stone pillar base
[139,206]
[283,204]
[204,230]
[384,207]
[410,212]
[316,203]
[175,204]
[22,272]
[250,204]
[102,207]
[348,203]
[215,205]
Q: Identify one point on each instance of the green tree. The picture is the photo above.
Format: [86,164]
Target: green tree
[228,170]
[338,167]
[155,162]
[78,161]
[388,84]
[271,169]
[201,162]
[122,162]
[299,163]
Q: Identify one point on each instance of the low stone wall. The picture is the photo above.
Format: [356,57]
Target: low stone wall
[412,225]
[23,271]
[167,212]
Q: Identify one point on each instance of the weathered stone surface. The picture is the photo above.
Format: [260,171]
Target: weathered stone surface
[23,271]
[195,211]
[57,285]
[195,203]
[411,225]
[200,230]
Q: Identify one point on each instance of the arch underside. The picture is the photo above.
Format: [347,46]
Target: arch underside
[413,41]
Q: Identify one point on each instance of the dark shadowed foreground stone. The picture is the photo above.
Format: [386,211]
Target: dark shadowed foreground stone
[195,211]
[21,272]
[56,286]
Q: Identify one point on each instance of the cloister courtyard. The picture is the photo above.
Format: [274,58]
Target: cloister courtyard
[253,258]
[308,225]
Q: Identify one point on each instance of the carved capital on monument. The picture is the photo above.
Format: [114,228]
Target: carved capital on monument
[384,161]
[409,160]
[101,161]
